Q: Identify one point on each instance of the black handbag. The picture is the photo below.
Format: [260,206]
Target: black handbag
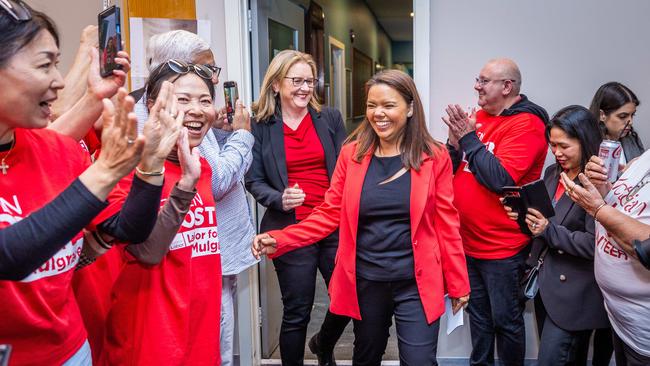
[529,283]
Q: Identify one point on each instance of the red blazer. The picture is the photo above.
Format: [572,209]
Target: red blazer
[437,247]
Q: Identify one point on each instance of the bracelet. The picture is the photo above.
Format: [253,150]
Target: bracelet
[150,174]
[598,209]
[98,237]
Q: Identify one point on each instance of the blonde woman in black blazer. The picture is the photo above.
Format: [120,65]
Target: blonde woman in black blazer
[286,108]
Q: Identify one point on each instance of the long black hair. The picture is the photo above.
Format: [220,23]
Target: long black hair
[608,98]
[578,123]
[16,34]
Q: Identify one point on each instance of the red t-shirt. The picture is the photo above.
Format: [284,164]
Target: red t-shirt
[168,314]
[39,316]
[92,288]
[306,164]
[519,143]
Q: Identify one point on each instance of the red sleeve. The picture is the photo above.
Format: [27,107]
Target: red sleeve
[522,146]
[447,226]
[323,220]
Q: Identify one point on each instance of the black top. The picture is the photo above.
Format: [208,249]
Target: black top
[384,250]
[27,244]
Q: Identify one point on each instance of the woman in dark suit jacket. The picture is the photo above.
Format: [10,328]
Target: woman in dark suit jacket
[569,304]
[296,146]
[400,247]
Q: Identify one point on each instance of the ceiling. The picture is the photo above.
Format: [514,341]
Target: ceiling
[395,17]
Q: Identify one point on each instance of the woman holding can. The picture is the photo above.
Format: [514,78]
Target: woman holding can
[614,106]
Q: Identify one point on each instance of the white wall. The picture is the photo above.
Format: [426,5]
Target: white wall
[69,23]
[565,50]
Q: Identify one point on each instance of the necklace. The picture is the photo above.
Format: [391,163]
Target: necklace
[3,165]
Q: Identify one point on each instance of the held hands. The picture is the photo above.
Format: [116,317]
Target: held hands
[107,87]
[458,303]
[263,244]
[161,129]
[240,121]
[537,223]
[512,215]
[121,146]
[588,197]
[190,161]
[292,197]
[597,173]
[459,123]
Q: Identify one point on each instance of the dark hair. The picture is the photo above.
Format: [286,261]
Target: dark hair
[608,98]
[14,34]
[415,138]
[162,73]
[578,123]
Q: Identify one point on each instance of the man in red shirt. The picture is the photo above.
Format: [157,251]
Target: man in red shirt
[502,144]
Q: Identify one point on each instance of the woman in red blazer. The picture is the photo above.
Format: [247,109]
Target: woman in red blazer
[399,247]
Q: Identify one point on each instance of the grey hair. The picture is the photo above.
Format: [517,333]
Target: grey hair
[177,44]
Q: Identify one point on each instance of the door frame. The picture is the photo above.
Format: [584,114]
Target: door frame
[340,83]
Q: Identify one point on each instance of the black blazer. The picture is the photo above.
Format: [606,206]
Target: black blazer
[267,177]
[567,284]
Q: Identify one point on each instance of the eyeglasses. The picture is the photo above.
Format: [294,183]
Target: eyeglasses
[216,70]
[17,9]
[182,68]
[484,82]
[298,81]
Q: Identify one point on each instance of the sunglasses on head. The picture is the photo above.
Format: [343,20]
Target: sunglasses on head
[16,9]
[182,68]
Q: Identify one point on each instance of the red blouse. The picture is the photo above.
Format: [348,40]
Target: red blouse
[306,164]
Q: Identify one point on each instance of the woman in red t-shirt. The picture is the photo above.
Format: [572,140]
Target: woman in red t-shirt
[48,193]
[165,302]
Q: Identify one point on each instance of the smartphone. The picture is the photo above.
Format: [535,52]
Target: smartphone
[5,352]
[110,40]
[231,94]
[512,196]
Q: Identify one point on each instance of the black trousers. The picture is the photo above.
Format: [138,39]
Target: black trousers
[379,301]
[625,355]
[558,346]
[296,272]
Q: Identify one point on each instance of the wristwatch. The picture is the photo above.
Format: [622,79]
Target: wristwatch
[642,250]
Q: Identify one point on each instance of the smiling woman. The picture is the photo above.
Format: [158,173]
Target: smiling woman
[177,269]
[391,196]
[296,146]
[49,192]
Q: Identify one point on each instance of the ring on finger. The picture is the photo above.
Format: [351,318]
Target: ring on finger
[534,225]
[130,141]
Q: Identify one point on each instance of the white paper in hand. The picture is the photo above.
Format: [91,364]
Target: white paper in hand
[453,320]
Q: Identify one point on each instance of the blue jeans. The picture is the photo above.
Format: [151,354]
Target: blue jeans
[82,357]
[296,272]
[496,310]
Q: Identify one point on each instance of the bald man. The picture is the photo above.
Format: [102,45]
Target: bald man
[502,144]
